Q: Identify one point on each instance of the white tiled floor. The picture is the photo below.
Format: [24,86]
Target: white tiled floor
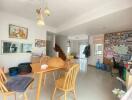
[91,85]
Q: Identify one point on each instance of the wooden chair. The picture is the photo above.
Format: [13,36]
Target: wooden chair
[44,60]
[35,59]
[69,63]
[67,83]
[3,78]
[5,91]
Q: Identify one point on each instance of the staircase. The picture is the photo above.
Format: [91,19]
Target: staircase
[60,51]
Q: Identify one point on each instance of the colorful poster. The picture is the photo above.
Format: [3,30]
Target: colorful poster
[118,45]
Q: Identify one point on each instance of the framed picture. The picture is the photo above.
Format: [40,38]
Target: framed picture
[40,43]
[15,47]
[17,32]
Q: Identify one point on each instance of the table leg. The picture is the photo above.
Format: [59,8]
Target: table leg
[44,77]
[39,86]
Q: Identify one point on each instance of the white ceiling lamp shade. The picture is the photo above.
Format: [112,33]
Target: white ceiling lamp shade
[40,22]
[40,18]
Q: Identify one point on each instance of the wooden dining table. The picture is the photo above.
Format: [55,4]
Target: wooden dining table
[36,69]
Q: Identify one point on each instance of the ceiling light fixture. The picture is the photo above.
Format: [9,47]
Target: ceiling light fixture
[47,11]
[40,19]
[41,13]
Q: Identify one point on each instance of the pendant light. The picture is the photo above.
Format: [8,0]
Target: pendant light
[41,13]
[40,18]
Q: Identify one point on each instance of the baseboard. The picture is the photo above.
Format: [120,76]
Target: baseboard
[91,65]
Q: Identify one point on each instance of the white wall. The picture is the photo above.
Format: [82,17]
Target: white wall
[92,41]
[34,32]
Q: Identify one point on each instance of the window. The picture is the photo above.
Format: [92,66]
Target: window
[98,49]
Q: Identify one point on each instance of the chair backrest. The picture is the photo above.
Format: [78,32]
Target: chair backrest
[3,89]
[69,63]
[35,59]
[3,79]
[44,59]
[71,75]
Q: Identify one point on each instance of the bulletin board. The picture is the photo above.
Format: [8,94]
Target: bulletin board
[118,45]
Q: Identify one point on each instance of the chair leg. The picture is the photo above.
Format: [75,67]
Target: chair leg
[54,76]
[65,96]
[5,97]
[53,94]
[75,97]
[15,96]
[25,96]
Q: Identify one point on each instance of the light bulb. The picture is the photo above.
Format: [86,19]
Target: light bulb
[47,11]
[40,22]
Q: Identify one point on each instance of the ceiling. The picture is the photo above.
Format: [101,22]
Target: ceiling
[77,16]
[115,22]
